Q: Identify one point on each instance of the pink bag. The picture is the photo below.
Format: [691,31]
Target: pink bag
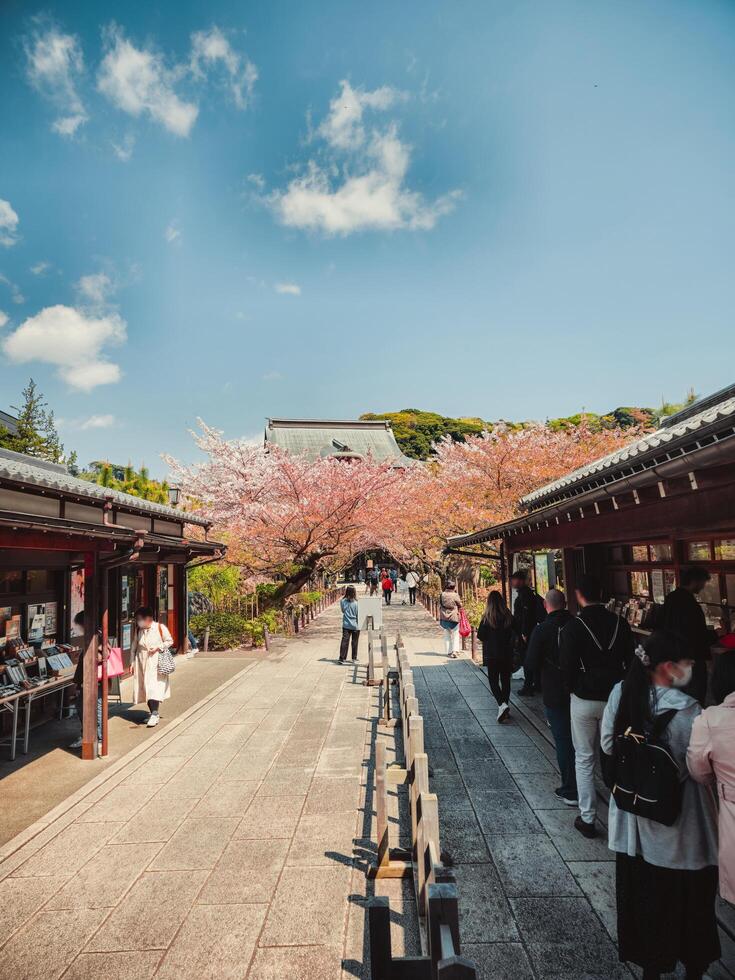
[114,664]
[464,624]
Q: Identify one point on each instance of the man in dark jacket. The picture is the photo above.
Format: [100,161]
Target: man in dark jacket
[528,610]
[542,659]
[596,649]
[683,615]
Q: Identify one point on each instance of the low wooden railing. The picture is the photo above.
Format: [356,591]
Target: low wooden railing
[434,883]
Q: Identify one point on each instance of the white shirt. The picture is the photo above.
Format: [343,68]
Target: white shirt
[412,580]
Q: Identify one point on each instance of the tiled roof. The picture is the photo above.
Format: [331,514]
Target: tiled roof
[318,438]
[52,476]
[675,429]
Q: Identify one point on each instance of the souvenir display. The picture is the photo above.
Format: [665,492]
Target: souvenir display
[36,618]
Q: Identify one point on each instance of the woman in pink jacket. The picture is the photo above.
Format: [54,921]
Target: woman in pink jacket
[711,758]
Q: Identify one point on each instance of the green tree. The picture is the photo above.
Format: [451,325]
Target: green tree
[36,435]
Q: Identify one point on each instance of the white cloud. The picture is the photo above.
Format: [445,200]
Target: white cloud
[211,48]
[343,126]
[8,224]
[258,180]
[54,66]
[72,341]
[40,268]
[137,81]
[359,183]
[95,290]
[288,288]
[172,233]
[124,149]
[3,318]
[98,422]
[273,376]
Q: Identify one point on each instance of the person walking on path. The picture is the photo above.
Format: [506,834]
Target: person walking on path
[528,610]
[393,573]
[372,580]
[495,632]
[682,614]
[542,658]
[350,624]
[711,760]
[449,607]
[150,685]
[412,581]
[596,649]
[387,585]
[665,875]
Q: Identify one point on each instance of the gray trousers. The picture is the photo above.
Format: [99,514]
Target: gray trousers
[586,720]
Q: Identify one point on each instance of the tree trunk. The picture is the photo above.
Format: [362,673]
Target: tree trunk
[290,587]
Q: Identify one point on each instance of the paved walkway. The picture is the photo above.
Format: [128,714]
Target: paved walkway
[234,843]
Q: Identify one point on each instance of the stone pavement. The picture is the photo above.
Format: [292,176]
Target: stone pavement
[234,843]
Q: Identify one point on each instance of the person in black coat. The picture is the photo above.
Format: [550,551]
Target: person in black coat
[528,611]
[542,660]
[682,614]
[496,635]
[595,651]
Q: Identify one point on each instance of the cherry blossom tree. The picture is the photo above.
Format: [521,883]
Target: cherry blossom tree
[285,515]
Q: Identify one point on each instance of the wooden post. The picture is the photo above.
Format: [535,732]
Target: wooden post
[205,642]
[89,688]
[428,849]
[381,956]
[418,785]
[105,644]
[381,806]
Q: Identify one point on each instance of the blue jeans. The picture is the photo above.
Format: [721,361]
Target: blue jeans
[80,710]
[561,728]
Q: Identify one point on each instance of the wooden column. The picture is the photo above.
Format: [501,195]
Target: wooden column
[105,619]
[89,690]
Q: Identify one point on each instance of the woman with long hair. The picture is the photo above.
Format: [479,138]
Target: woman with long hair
[496,635]
[666,876]
[350,624]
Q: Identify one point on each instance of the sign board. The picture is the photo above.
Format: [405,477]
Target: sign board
[370,605]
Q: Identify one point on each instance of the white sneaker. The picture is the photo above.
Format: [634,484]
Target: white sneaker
[77,744]
[519,675]
[503,711]
[153,720]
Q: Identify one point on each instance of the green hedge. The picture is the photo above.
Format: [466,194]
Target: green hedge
[228,630]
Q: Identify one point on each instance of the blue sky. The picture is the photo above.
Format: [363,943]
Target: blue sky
[505,209]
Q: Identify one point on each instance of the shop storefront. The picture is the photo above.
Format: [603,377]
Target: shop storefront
[67,546]
[635,518]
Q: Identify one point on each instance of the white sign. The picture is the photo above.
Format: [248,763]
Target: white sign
[370,605]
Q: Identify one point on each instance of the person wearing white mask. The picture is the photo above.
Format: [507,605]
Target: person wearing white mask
[665,872]
[149,684]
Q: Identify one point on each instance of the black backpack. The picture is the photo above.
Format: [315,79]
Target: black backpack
[643,775]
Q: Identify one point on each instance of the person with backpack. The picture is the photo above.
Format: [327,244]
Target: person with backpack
[528,611]
[711,760]
[595,651]
[661,824]
[542,659]
[495,632]
[372,580]
[387,586]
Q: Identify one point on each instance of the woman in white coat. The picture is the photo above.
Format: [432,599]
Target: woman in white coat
[149,685]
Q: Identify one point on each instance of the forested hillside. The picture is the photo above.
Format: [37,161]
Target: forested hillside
[416,430]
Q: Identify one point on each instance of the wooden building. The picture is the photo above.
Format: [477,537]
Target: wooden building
[634,518]
[67,545]
[317,438]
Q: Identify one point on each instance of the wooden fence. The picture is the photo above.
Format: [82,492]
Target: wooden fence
[434,883]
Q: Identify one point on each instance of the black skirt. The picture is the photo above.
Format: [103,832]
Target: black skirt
[666,915]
